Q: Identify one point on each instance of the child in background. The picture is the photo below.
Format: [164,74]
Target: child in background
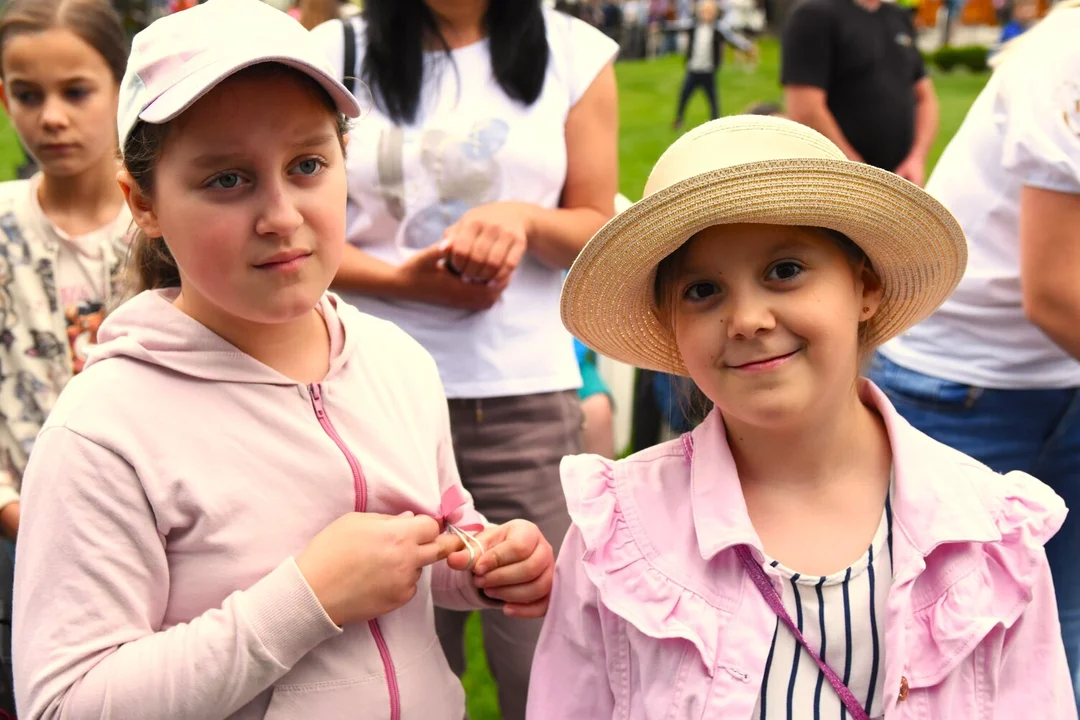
[232,511]
[64,228]
[1024,15]
[804,552]
[704,55]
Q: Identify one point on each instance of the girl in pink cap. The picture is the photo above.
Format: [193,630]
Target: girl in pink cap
[247,505]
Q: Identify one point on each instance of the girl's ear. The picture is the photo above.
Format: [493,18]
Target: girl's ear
[872,291]
[4,97]
[142,207]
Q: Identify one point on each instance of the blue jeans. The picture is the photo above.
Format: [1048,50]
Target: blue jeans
[1036,431]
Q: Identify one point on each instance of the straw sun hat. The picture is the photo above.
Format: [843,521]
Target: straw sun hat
[756,169]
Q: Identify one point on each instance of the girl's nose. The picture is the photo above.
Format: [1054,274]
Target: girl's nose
[278,215]
[750,314]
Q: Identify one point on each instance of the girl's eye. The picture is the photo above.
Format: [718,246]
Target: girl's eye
[700,291]
[76,93]
[27,98]
[310,166]
[225,181]
[784,271]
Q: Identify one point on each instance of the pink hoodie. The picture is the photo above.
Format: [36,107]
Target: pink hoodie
[654,616]
[166,497]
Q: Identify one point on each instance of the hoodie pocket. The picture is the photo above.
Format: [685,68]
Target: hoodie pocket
[338,700]
[428,690]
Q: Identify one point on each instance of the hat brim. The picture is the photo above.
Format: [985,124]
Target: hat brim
[917,248]
[188,91]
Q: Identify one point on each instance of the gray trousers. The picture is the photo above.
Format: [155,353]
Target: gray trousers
[508,452]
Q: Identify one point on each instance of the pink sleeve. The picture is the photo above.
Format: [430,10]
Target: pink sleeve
[570,669]
[1033,680]
[91,588]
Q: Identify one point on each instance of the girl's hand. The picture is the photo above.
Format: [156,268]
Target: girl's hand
[364,565]
[488,242]
[517,567]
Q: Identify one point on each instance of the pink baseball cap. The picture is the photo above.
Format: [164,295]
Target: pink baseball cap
[181,57]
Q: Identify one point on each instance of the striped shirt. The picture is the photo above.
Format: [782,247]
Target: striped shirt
[842,618]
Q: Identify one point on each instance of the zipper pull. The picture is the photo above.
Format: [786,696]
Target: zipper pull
[479,412]
[316,400]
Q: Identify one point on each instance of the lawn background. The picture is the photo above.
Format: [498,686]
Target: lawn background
[647,95]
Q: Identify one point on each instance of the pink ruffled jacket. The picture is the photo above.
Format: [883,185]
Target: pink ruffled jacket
[653,616]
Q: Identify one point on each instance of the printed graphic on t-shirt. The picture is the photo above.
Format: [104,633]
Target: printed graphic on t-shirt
[83,321]
[1070,103]
[463,168]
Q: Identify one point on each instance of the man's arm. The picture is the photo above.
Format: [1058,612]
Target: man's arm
[1049,259]
[913,167]
[807,105]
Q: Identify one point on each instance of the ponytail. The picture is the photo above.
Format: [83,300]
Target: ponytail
[150,265]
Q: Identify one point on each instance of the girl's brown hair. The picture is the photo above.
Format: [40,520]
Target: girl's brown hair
[96,22]
[150,264]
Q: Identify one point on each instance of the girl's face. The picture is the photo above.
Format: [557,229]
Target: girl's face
[250,198]
[766,319]
[62,98]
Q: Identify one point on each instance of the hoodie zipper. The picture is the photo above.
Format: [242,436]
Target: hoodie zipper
[360,490]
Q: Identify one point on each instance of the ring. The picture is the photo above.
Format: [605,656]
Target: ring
[472,544]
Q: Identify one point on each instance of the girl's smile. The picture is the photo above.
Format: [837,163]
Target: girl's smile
[766,363]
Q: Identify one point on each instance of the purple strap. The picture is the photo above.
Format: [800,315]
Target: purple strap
[773,599]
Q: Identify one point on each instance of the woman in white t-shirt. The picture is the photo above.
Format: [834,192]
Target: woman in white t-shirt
[487,161]
[995,372]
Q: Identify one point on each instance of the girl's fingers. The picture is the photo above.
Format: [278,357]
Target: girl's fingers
[525,571]
[524,593]
[508,544]
[530,611]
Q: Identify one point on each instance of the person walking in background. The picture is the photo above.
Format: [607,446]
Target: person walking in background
[486,163]
[64,230]
[247,504]
[704,55]
[1024,14]
[851,70]
[995,372]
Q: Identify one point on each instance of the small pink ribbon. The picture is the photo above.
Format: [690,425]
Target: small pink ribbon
[456,510]
[458,516]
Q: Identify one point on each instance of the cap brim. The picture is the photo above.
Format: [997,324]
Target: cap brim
[188,91]
[915,245]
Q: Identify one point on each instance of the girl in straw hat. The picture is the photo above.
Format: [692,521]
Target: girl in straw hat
[804,552]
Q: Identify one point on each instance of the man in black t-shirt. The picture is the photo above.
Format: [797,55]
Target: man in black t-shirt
[852,72]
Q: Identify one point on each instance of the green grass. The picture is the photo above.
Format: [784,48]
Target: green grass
[648,91]
[11,154]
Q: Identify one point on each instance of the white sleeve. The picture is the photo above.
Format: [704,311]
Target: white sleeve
[330,35]
[1042,120]
[587,52]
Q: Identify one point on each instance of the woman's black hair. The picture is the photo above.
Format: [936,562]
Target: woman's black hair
[396,32]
